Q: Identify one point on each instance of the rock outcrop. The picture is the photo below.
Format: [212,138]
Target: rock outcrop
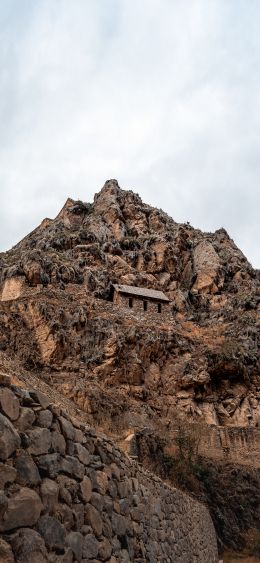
[124,369]
[55,312]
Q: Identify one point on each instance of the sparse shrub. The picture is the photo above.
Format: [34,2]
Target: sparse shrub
[181,460]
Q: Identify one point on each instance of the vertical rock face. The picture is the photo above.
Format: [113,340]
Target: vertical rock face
[12,288]
[90,502]
[207,268]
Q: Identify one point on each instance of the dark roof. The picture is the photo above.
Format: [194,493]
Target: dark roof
[141,291]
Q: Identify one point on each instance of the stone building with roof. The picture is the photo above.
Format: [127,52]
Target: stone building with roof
[141,299]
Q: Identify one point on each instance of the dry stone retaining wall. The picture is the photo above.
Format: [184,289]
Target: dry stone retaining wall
[233,444]
[68,494]
[135,315]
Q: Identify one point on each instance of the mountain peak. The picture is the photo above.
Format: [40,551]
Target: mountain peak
[81,310]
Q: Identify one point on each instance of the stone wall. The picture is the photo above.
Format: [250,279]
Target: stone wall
[231,444]
[228,444]
[136,314]
[69,494]
[138,305]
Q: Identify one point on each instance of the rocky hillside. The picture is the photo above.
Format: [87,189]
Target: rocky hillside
[127,371]
[203,364]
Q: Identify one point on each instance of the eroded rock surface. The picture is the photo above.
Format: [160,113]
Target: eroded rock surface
[61,319]
[125,370]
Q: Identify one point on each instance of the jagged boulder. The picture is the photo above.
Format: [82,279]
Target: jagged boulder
[9,438]
[207,268]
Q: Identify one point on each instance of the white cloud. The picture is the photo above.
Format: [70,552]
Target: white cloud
[161,94]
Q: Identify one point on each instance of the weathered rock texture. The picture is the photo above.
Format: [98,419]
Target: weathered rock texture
[69,494]
[55,314]
[128,369]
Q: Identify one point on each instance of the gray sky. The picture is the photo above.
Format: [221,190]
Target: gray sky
[163,95]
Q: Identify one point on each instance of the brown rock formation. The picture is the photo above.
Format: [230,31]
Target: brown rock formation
[56,313]
[124,368]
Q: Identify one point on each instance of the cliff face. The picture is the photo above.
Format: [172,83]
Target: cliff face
[202,365]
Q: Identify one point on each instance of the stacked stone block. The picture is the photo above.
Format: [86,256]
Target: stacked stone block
[68,494]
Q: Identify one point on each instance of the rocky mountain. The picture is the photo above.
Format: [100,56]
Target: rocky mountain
[203,363]
[129,371]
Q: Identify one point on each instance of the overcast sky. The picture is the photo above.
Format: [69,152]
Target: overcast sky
[163,95]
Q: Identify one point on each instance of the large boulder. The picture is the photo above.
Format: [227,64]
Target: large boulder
[23,509]
[53,532]
[27,470]
[49,494]
[93,519]
[207,268]
[9,403]
[9,438]
[29,547]
[90,546]
[86,489]
[26,419]
[6,554]
[40,441]
[7,475]
[75,541]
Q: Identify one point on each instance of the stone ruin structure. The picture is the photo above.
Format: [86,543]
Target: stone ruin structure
[69,494]
[141,299]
